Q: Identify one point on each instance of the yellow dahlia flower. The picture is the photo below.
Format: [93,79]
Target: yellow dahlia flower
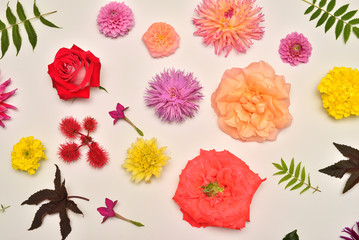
[340,92]
[145,159]
[26,154]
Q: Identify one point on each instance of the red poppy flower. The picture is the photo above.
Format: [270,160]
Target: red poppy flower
[216,189]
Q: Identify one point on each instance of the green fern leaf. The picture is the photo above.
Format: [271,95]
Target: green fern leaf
[10,16]
[42,19]
[299,185]
[31,34]
[315,14]
[285,178]
[291,182]
[280,173]
[20,11]
[36,10]
[16,38]
[309,10]
[4,39]
[322,3]
[356,31]
[291,168]
[284,165]
[339,28]
[341,10]
[322,19]
[297,170]
[349,15]
[347,31]
[305,189]
[354,21]
[314,1]
[302,177]
[331,5]
[278,166]
[329,23]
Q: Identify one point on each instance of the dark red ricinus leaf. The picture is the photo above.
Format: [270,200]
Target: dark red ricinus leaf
[47,208]
[65,226]
[352,181]
[339,169]
[57,180]
[348,152]
[45,194]
[73,207]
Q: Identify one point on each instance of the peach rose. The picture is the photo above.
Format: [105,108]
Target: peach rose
[252,103]
[161,39]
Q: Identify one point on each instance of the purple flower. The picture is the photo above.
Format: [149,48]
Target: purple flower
[107,211]
[115,19]
[295,49]
[4,106]
[174,95]
[119,114]
[353,235]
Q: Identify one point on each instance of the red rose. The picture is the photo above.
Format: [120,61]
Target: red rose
[216,189]
[73,72]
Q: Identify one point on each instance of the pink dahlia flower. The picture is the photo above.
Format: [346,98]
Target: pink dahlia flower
[174,95]
[295,49]
[115,19]
[229,24]
[4,106]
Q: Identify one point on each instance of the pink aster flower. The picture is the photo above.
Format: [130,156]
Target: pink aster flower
[174,95]
[229,24]
[115,19]
[295,49]
[119,114]
[4,106]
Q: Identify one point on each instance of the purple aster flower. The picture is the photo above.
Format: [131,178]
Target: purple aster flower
[115,19]
[4,106]
[174,95]
[353,235]
[295,49]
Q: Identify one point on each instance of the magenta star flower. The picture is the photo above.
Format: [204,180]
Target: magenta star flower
[119,114]
[352,233]
[295,49]
[108,212]
[4,106]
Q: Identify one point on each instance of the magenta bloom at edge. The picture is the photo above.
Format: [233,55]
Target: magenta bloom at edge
[229,24]
[115,19]
[295,48]
[174,95]
[4,106]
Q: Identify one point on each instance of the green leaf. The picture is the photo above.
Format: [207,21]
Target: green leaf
[291,236]
[16,38]
[356,31]
[4,39]
[31,33]
[305,189]
[36,10]
[285,178]
[20,11]
[322,19]
[291,182]
[349,15]
[138,224]
[297,186]
[280,173]
[297,170]
[302,177]
[309,10]
[309,184]
[278,166]
[291,168]
[48,23]
[322,3]
[354,21]
[347,31]
[284,165]
[341,10]
[315,14]
[10,16]
[331,5]
[329,23]
[314,1]
[339,28]
[104,89]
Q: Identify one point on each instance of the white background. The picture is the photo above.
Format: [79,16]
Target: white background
[126,69]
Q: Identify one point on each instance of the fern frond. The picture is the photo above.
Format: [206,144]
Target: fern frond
[296,176]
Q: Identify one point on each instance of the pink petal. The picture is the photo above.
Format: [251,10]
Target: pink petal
[103,211]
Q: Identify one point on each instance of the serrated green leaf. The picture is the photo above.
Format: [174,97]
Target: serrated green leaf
[354,21]
[331,5]
[48,23]
[291,168]
[302,177]
[284,165]
[16,38]
[20,11]
[309,184]
[315,14]
[280,173]
[36,10]
[314,1]
[297,170]
[278,166]
[341,10]
[305,189]
[329,23]
[322,3]
[291,182]
[349,15]
[356,31]
[309,9]
[10,16]
[285,178]
[339,28]
[347,31]
[4,39]
[297,186]
[31,33]
[322,19]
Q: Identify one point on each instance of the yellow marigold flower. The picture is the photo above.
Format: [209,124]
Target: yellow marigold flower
[340,92]
[26,154]
[144,159]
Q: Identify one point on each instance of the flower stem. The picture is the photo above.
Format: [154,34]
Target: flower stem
[133,125]
[83,198]
[3,208]
[138,224]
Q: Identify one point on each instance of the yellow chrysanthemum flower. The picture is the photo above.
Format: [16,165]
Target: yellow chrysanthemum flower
[26,154]
[340,92]
[144,159]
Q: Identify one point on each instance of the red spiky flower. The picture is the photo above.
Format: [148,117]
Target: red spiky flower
[70,127]
[89,124]
[69,152]
[97,156]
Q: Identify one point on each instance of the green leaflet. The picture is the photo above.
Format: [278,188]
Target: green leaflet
[14,24]
[327,15]
[291,236]
[295,175]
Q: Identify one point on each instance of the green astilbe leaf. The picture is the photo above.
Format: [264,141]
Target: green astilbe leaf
[347,31]
[322,3]
[356,31]
[354,21]
[322,19]
[31,33]
[331,5]
[329,23]
[339,28]
[4,39]
[16,38]
[309,10]
[341,10]
[295,175]
[42,19]
[349,15]
[315,14]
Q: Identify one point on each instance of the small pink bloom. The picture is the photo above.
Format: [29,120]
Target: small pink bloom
[295,48]
[107,211]
[119,113]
